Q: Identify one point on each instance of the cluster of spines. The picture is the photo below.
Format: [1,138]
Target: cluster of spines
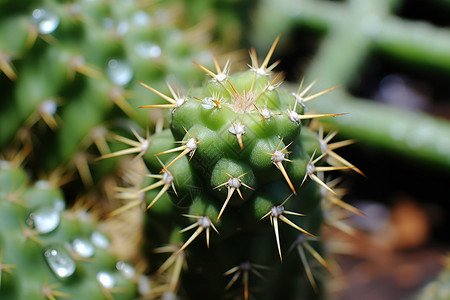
[242,104]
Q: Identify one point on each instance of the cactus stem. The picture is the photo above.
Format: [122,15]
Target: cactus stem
[233,184]
[244,269]
[203,223]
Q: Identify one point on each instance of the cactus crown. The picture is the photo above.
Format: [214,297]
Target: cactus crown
[237,152]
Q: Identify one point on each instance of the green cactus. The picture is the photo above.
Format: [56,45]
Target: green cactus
[67,68]
[238,153]
[50,252]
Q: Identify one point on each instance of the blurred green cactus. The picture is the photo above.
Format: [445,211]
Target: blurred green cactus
[49,252]
[69,70]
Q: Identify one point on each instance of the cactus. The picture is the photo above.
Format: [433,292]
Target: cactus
[239,167]
[50,252]
[67,68]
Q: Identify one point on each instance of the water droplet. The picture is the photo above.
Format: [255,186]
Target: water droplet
[141,18]
[148,50]
[45,219]
[119,72]
[99,240]
[126,269]
[106,280]
[83,247]
[60,261]
[46,20]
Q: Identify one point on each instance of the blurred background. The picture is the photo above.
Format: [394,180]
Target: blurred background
[391,58]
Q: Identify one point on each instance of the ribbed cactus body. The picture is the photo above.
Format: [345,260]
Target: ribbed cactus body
[48,252]
[239,168]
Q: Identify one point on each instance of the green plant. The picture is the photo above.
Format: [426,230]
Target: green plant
[238,153]
[50,252]
[67,68]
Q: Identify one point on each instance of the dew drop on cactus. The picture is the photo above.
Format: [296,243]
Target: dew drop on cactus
[44,220]
[119,71]
[83,247]
[126,269]
[148,50]
[60,261]
[46,20]
[106,279]
[100,240]
[141,18]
